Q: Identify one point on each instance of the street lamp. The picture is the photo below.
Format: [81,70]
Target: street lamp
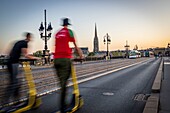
[127,49]
[107,41]
[168,45]
[45,37]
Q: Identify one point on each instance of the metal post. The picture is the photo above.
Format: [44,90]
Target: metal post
[45,23]
[45,37]
[107,42]
[107,45]
[127,49]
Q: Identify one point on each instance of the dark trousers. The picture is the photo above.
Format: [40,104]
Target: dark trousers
[14,86]
[63,70]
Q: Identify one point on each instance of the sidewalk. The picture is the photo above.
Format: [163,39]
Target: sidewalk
[164,106]
[159,101]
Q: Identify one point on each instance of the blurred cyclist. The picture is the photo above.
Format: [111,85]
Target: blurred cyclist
[62,58]
[19,49]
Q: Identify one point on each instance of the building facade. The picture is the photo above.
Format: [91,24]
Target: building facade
[85,51]
[164,51]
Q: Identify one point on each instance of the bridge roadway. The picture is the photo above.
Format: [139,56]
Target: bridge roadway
[45,76]
[111,93]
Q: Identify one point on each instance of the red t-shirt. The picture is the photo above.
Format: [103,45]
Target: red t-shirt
[62,39]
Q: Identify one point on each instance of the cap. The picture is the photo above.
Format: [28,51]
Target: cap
[66,21]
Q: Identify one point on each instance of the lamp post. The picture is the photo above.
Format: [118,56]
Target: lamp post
[167,51]
[45,37]
[168,45]
[127,49]
[107,40]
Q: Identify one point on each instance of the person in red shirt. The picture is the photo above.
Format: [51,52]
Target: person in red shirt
[62,58]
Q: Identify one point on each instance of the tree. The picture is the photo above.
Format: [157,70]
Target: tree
[91,54]
[38,53]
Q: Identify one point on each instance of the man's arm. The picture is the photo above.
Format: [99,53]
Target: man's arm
[25,53]
[78,50]
[72,39]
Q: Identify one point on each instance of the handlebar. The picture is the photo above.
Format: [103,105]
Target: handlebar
[26,60]
[78,60]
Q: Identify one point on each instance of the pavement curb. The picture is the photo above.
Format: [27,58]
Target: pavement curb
[157,82]
[152,104]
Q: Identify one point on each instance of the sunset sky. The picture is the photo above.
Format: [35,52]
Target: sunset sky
[142,22]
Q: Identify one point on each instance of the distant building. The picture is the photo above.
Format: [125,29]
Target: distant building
[119,53]
[85,51]
[96,42]
[100,54]
[159,51]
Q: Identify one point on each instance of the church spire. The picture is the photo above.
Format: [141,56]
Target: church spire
[95,31]
[96,42]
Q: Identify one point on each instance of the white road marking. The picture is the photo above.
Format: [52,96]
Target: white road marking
[166,62]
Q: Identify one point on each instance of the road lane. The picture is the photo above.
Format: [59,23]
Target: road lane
[125,85]
[46,81]
[113,93]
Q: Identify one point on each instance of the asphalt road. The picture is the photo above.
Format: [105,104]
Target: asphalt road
[112,93]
